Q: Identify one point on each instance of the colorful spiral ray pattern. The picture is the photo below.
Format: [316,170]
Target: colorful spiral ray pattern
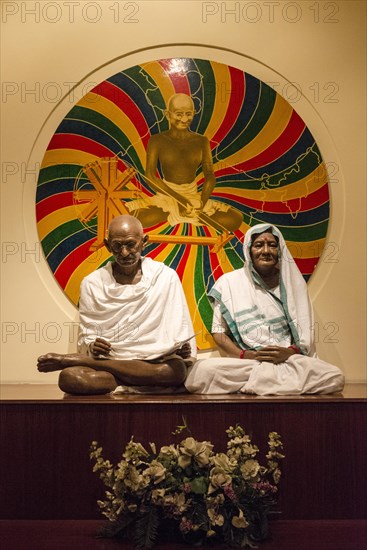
[267,166]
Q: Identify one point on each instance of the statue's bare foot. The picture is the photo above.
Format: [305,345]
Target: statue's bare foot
[56,361]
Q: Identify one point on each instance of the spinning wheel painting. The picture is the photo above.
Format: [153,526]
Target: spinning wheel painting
[248,147]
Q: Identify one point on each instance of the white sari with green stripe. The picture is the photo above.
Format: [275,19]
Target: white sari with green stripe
[256,317]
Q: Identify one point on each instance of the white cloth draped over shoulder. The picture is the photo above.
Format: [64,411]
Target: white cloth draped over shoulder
[142,321]
[255,317]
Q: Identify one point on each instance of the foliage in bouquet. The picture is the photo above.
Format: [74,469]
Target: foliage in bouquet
[207,495]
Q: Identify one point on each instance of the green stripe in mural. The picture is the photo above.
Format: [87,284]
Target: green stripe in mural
[203,305]
[307,164]
[58,172]
[152,91]
[63,231]
[300,234]
[261,115]
[209,94]
[234,259]
[100,121]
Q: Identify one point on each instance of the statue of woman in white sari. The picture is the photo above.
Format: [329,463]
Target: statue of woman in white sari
[263,326]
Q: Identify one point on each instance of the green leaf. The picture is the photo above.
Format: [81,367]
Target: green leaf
[146,529]
[114,528]
[199,485]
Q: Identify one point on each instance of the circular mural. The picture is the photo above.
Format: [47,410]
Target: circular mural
[249,159]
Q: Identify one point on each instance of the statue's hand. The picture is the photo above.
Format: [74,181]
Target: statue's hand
[274,354]
[100,347]
[194,207]
[184,351]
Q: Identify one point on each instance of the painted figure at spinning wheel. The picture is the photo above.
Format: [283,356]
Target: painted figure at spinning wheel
[180,153]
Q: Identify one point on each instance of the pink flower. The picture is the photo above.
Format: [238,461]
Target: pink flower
[186,525]
[186,487]
[229,492]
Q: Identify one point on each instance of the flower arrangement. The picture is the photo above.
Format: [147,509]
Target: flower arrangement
[205,496]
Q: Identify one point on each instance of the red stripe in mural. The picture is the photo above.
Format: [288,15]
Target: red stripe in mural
[49,205]
[72,261]
[217,271]
[234,106]
[80,143]
[125,103]
[176,76]
[306,265]
[309,202]
[182,263]
[206,231]
[154,253]
[279,147]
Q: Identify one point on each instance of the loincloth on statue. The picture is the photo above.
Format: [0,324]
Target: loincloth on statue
[170,204]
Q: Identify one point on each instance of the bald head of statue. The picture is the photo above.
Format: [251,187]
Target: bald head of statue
[126,241]
[125,223]
[180,112]
[182,101]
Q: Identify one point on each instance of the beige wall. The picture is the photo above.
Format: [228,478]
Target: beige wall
[46,46]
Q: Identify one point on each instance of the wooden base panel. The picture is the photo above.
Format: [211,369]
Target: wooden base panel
[46,473]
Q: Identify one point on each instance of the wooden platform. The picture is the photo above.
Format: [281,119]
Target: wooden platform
[45,393]
[45,472]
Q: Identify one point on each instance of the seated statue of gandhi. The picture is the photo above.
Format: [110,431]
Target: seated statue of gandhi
[133,317]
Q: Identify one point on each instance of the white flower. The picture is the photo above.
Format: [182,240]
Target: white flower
[134,480]
[169,451]
[122,469]
[187,475]
[250,469]
[156,472]
[180,503]
[216,500]
[190,449]
[222,461]
[218,478]
[135,451]
[157,495]
[177,502]
[240,521]
[215,518]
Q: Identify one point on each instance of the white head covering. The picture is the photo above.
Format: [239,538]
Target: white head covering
[293,288]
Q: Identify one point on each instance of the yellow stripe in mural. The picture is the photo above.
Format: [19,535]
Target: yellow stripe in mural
[273,128]
[224,262]
[302,188]
[244,228]
[113,113]
[222,97]
[58,156]
[54,220]
[188,281]
[158,74]
[165,252]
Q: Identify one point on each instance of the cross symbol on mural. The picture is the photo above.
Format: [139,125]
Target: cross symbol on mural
[106,199]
